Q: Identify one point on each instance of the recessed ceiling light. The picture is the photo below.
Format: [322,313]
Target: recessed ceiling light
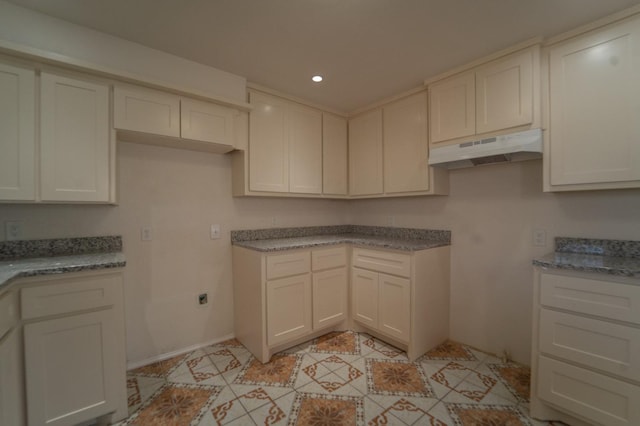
[317,78]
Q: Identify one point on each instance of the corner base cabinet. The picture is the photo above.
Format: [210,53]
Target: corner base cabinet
[401,297]
[585,368]
[284,298]
[63,360]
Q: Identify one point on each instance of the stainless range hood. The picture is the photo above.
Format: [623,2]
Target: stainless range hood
[519,146]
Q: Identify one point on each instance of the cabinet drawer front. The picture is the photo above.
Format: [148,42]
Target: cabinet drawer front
[8,313]
[599,344]
[387,262]
[328,258]
[594,297]
[284,265]
[70,295]
[590,395]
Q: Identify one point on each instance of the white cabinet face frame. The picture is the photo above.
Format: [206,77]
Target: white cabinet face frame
[365,154]
[11,379]
[17,133]
[364,297]
[288,308]
[594,98]
[452,108]
[305,150]
[75,140]
[395,307]
[329,297]
[334,155]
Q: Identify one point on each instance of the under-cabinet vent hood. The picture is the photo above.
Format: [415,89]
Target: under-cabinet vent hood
[519,146]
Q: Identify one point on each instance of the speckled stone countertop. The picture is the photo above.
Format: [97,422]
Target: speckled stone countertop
[277,239]
[613,257]
[30,258]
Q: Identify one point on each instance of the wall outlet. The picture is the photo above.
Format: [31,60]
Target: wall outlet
[13,230]
[214,232]
[146,234]
[539,237]
[203,299]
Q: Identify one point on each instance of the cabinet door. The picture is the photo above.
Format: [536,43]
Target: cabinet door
[305,150]
[207,122]
[334,155]
[365,154]
[406,146]
[452,108]
[594,96]
[69,367]
[364,297]
[504,93]
[74,140]
[288,308]
[329,297]
[395,307]
[11,380]
[268,144]
[17,133]
[146,111]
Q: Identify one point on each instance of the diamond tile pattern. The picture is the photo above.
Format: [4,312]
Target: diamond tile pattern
[342,378]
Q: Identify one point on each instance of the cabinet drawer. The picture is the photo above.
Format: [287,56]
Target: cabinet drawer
[8,312]
[381,261]
[328,258]
[600,344]
[284,265]
[70,295]
[591,296]
[590,395]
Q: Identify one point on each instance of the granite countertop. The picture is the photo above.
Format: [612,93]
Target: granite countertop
[612,257]
[278,239]
[56,256]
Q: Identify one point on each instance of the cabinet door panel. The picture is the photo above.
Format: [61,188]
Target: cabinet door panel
[365,154]
[17,133]
[207,122]
[504,93]
[67,365]
[406,146]
[329,297]
[288,308]
[268,144]
[147,111]
[305,150]
[364,297]
[74,140]
[594,104]
[11,380]
[334,155]
[452,108]
[395,307]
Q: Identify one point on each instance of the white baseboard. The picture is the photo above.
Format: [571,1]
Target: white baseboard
[136,364]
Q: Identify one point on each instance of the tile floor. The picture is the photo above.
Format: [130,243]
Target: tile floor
[343,378]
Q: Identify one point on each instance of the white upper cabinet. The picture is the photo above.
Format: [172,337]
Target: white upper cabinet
[452,106]
[75,140]
[504,93]
[365,154]
[17,133]
[334,155]
[496,97]
[305,150]
[285,146]
[142,114]
[594,110]
[406,147]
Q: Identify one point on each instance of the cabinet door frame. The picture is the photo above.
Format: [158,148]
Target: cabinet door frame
[456,93]
[394,307]
[365,154]
[329,297]
[162,111]
[291,320]
[304,135]
[364,297]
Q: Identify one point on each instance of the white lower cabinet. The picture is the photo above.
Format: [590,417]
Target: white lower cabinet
[74,354]
[281,299]
[402,298]
[586,340]
[11,370]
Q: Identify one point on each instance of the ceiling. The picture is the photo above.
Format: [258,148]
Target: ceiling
[366,49]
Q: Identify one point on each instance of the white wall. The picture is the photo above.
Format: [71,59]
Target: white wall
[179,194]
[491,212]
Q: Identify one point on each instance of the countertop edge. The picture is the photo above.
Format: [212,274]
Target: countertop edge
[359,241]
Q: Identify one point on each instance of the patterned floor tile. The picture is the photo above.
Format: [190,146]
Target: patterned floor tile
[398,378]
[451,351]
[516,378]
[282,370]
[327,410]
[403,410]
[475,385]
[470,393]
[276,413]
[140,389]
[322,373]
[472,415]
[337,342]
[175,405]
[370,347]
[159,369]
